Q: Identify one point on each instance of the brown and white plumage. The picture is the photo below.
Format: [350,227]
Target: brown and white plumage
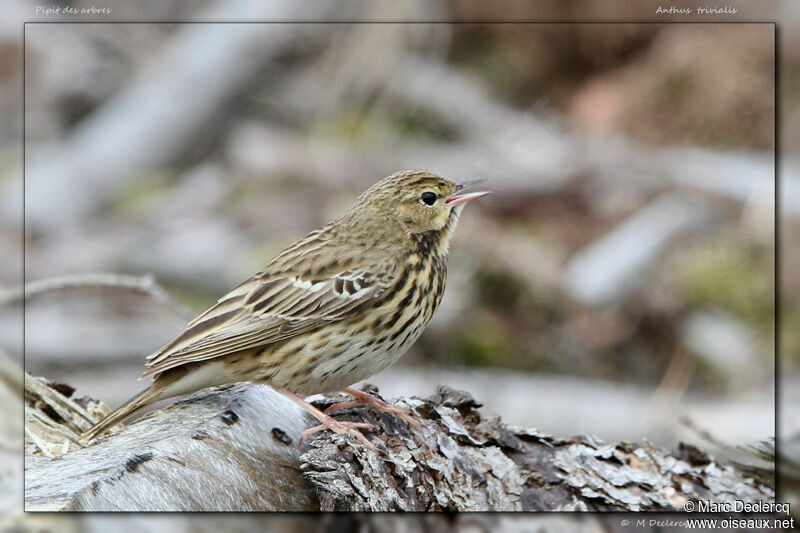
[339,305]
[273,306]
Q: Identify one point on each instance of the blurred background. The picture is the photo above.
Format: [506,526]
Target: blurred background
[620,277]
[620,281]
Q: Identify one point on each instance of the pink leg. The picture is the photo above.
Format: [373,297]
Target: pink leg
[341,427]
[364,398]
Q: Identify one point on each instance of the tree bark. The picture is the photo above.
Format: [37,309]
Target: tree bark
[235,448]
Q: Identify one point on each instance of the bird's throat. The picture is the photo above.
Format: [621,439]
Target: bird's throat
[436,243]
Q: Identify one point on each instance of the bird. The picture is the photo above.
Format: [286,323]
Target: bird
[336,307]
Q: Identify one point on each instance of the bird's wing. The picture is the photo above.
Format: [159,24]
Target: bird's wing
[273,306]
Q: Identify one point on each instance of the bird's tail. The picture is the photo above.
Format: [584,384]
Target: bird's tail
[141,400]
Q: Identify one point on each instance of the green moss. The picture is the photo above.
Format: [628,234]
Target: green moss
[790,78]
[790,334]
[675,88]
[499,290]
[348,126]
[357,126]
[138,196]
[734,278]
[419,124]
[486,343]
[196,300]
[711,136]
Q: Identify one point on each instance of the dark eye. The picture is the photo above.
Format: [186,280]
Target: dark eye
[428,198]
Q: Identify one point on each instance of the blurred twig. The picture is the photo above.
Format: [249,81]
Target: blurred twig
[708,436]
[53,420]
[146,285]
[10,372]
[11,387]
[672,388]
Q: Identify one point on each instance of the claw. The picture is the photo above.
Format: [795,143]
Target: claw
[339,406]
[362,398]
[341,427]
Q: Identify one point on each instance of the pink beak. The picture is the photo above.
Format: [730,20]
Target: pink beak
[458,199]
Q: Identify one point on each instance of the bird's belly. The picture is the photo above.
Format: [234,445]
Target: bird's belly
[343,360]
[343,353]
[336,373]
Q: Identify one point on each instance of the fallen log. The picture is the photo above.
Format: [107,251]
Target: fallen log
[236,448]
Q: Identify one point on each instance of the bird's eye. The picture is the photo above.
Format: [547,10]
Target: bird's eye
[428,198]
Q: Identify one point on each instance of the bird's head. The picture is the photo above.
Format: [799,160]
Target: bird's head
[419,200]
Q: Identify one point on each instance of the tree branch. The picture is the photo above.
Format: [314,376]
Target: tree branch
[235,448]
[146,285]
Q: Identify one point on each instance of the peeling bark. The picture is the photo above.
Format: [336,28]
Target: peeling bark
[235,448]
[460,461]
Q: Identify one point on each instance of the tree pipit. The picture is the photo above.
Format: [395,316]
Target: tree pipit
[339,305]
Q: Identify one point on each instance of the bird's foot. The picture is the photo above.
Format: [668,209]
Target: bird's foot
[364,398]
[342,427]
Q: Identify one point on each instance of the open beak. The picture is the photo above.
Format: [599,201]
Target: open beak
[459,197]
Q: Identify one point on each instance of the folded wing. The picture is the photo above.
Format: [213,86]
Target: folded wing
[273,306]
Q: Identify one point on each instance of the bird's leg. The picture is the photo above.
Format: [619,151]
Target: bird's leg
[342,427]
[364,398]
